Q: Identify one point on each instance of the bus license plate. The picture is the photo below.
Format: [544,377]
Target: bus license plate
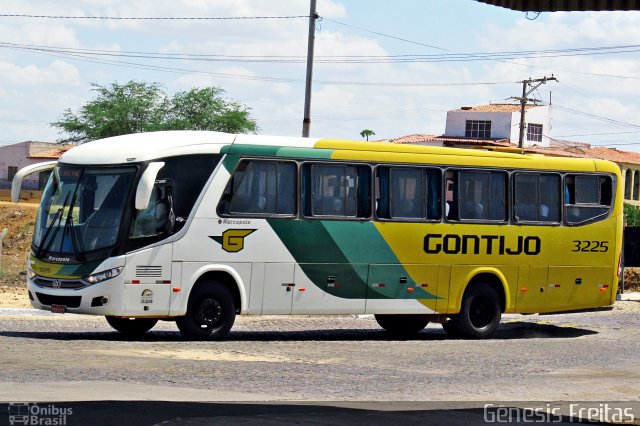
[58,309]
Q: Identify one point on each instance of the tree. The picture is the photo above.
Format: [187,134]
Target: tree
[631,215]
[366,133]
[205,109]
[135,107]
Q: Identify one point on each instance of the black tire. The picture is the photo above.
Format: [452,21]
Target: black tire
[402,325]
[132,326]
[479,314]
[211,312]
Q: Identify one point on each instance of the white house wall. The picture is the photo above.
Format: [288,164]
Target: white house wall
[17,155]
[504,125]
[538,115]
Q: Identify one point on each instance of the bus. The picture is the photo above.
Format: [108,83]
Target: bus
[198,227]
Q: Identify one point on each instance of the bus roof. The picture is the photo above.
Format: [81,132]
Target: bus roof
[141,147]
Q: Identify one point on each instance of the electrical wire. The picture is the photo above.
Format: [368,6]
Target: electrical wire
[337,59]
[152,18]
[89,58]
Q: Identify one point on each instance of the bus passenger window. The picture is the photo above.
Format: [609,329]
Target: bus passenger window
[336,190]
[536,197]
[587,198]
[482,195]
[259,187]
[408,193]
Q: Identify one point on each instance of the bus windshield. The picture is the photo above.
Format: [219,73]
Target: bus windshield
[81,211]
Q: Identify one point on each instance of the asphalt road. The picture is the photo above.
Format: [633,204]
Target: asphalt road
[318,370]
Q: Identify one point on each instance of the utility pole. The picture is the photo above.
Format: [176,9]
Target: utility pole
[523,101]
[306,122]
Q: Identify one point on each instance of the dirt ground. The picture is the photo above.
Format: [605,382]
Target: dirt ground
[19,220]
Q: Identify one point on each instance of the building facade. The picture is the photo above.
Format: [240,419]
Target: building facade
[501,121]
[16,156]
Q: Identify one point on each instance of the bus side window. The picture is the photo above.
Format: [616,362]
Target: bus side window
[336,190]
[587,197]
[482,195]
[260,187]
[536,197]
[408,193]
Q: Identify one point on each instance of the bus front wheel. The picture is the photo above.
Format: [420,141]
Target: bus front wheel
[402,325]
[210,313]
[479,314]
[131,326]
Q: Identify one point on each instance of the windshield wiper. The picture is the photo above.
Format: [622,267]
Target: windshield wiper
[45,244]
[76,240]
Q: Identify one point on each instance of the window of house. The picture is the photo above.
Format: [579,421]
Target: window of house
[11,172]
[408,193]
[261,187]
[587,198]
[534,132]
[477,195]
[336,190]
[480,129]
[536,197]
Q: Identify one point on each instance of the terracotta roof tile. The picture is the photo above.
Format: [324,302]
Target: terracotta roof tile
[53,153]
[418,139]
[494,108]
[562,149]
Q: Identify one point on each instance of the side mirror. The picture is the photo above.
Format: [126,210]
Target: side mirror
[146,184]
[16,184]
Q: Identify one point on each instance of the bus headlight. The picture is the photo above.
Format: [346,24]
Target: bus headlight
[30,274]
[103,276]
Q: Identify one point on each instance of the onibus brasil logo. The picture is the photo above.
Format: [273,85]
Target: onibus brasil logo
[25,413]
[232,240]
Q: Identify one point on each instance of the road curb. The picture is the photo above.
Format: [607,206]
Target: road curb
[628,296]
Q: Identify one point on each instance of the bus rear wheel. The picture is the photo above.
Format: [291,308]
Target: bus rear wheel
[479,315]
[210,313]
[402,325]
[131,326]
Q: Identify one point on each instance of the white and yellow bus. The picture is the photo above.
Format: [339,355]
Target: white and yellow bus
[199,227]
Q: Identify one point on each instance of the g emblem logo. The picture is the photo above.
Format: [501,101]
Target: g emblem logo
[232,240]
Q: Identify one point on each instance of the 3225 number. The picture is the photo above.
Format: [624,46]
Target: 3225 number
[591,246]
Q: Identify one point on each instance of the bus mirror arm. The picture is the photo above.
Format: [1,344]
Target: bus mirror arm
[16,184]
[145,186]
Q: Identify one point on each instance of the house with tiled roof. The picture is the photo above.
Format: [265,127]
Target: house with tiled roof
[490,124]
[500,121]
[16,156]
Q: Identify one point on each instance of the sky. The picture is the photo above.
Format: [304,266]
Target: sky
[394,67]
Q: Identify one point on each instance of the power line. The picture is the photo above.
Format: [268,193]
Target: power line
[152,18]
[598,134]
[81,56]
[338,59]
[597,117]
[503,60]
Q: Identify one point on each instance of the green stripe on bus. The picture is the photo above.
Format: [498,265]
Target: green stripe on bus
[306,153]
[344,251]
